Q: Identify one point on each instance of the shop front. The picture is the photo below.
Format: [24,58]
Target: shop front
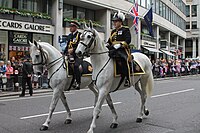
[15,35]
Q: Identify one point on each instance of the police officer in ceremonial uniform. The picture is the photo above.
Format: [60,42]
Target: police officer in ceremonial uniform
[72,43]
[118,44]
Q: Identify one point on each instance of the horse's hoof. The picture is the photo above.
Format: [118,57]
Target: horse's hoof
[139,120]
[114,125]
[68,121]
[44,128]
[146,112]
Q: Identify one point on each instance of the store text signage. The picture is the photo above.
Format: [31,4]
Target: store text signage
[20,38]
[23,26]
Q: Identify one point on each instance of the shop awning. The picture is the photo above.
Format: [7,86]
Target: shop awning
[152,49]
[167,52]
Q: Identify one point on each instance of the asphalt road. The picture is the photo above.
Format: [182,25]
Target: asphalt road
[174,108]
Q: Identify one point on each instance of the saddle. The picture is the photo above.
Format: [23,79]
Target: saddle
[85,69]
[135,68]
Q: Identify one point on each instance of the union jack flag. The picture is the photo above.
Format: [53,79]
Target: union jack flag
[134,14]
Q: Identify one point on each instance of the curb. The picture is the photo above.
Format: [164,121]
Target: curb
[7,94]
[39,91]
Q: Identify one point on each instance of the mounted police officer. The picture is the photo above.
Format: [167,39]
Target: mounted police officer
[72,43]
[118,44]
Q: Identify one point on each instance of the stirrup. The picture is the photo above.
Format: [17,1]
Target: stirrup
[127,83]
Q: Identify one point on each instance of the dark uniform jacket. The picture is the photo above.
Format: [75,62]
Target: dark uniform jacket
[72,42]
[122,36]
[27,69]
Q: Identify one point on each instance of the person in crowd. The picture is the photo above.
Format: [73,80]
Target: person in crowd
[118,45]
[27,71]
[2,74]
[9,73]
[15,75]
[72,43]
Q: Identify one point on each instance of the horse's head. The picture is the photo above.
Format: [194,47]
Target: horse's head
[39,56]
[87,41]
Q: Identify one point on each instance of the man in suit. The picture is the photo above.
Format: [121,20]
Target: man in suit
[72,43]
[27,71]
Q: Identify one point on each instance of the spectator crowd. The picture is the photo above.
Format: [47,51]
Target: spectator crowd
[175,67]
[11,73]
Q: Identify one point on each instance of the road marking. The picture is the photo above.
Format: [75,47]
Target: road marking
[172,93]
[26,98]
[73,110]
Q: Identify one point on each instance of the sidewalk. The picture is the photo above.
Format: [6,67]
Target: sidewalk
[37,91]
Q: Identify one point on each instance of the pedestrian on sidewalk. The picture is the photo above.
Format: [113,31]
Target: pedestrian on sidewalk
[9,72]
[27,71]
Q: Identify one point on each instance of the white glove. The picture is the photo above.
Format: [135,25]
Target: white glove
[116,46]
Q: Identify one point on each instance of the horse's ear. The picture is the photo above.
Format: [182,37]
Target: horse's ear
[90,24]
[85,25]
[35,42]
[30,43]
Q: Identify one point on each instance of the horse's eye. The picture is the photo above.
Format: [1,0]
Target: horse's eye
[37,56]
[88,36]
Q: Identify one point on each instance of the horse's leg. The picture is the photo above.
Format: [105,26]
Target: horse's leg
[54,101]
[101,98]
[110,104]
[93,88]
[64,101]
[143,100]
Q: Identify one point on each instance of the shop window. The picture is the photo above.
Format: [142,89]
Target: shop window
[6,3]
[43,38]
[3,44]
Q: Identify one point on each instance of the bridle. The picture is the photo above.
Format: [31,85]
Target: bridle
[92,40]
[44,57]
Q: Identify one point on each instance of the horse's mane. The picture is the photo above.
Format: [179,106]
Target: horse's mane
[49,47]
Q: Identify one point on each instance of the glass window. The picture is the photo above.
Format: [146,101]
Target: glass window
[154,5]
[187,11]
[157,6]
[80,13]
[164,10]
[43,38]
[90,15]
[149,4]
[139,2]
[161,9]
[187,25]
[67,11]
[6,3]
[167,12]
[143,3]
[194,24]
[194,10]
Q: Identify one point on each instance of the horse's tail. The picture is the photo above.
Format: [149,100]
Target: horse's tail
[150,84]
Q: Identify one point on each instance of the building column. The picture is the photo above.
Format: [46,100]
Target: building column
[183,50]
[168,37]
[104,18]
[157,39]
[199,47]
[176,39]
[194,48]
[57,20]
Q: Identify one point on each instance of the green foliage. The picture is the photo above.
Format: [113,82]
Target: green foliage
[24,13]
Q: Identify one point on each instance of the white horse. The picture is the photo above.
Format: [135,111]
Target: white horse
[44,54]
[103,73]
